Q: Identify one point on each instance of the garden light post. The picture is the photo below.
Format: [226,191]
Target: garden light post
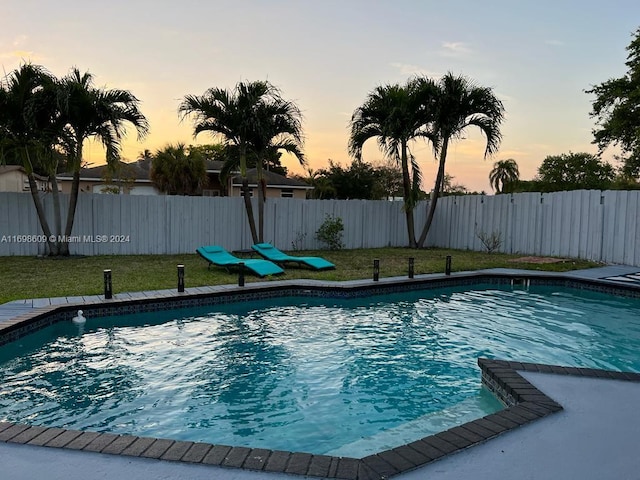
[447,266]
[241,275]
[180,278]
[108,290]
[411,263]
[376,270]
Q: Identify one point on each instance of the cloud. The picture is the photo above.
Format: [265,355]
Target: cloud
[17,54]
[454,49]
[555,43]
[409,69]
[19,40]
[17,51]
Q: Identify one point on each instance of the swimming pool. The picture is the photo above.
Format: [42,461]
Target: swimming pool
[343,377]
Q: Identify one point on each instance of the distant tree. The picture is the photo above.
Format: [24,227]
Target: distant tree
[358,180]
[322,187]
[450,188]
[118,177]
[144,159]
[177,170]
[389,184]
[624,182]
[529,186]
[616,110]
[457,104]
[574,171]
[504,175]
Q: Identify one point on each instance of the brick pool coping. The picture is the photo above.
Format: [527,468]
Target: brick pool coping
[524,402]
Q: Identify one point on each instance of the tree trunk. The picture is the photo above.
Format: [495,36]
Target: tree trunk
[56,204]
[246,194]
[435,194]
[261,198]
[33,186]
[408,200]
[73,202]
[249,208]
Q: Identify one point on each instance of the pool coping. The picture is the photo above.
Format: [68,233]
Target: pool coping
[524,402]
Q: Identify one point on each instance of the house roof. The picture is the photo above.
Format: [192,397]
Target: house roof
[19,168]
[11,168]
[137,171]
[273,180]
[214,166]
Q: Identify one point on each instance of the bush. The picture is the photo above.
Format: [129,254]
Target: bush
[491,241]
[330,232]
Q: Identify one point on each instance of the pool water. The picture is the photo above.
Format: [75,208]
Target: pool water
[325,376]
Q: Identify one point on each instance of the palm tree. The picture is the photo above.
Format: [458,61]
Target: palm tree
[278,127]
[238,117]
[90,112]
[396,115]
[29,129]
[459,104]
[504,174]
[177,170]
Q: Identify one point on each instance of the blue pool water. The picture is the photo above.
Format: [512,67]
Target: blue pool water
[343,377]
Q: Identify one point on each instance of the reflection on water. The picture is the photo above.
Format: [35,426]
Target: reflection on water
[306,374]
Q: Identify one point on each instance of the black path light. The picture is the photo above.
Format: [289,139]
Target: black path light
[180,278]
[241,275]
[108,290]
[411,264]
[447,266]
[376,270]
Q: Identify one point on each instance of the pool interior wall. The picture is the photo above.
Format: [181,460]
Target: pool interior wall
[524,402]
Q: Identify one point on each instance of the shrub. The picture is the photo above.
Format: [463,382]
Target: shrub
[330,232]
[491,241]
[298,242]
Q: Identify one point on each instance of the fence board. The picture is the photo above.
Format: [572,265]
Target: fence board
[594,225]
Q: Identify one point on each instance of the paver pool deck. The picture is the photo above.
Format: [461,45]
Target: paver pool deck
[595,435]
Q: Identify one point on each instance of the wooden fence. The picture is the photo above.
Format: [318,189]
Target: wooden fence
[594,225]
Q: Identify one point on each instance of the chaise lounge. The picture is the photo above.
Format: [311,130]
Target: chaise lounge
[218,256]
[271,253]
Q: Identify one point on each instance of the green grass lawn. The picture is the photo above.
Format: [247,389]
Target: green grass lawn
[30,277]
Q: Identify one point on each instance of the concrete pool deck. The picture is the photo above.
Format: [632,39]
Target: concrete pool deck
[594,436]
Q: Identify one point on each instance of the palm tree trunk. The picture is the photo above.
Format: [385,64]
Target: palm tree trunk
[56,204]
[73,199]
[435,194]
[249,209]
[408,201]
[261,198]
[245,193]
[33,186]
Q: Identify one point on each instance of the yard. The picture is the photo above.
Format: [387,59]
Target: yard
[31,277]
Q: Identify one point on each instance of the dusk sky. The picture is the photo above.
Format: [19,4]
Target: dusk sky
[538,56]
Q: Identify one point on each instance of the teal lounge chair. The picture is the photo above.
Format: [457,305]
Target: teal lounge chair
[218,256]
[270,252]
